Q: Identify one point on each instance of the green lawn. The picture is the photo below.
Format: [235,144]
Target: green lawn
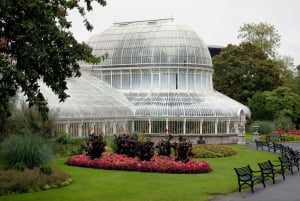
[111,185]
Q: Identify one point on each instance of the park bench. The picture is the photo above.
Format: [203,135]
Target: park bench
[268,169]
[246,176]
[288,163]
[275,137]
[261,144]
[277,146]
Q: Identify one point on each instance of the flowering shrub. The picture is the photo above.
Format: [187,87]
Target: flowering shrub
[162,164]
[212,151]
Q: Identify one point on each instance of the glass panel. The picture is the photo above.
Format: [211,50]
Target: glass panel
[136,79]
[146,79]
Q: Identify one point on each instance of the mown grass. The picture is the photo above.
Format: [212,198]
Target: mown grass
[111,185]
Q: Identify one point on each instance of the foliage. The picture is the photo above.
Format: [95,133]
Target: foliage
[13,181]
[265,127]
[258,106]
[29,149]
[262,35]
[63,138]
[213,151]
[164,147]
[280,103]
[69,147]
[94,146]
[283,123]
[284,103]
[145,150]
[46,170]
[182,149]
[162,164]
[25,119]
[126,144]
[240,71]
[36,44]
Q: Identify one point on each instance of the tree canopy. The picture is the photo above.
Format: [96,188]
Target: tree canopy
[263,35]
[36,44]
[240,71]
[279,103]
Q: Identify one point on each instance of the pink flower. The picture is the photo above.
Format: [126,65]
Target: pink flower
[163,164]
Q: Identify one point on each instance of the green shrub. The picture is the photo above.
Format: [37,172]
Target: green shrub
[19,167]
[31,180]
[29,149]
[265,127]
[212,151]
[63,138]
[284,123]
[46,170]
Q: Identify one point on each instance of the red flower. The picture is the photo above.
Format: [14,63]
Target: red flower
[163,164]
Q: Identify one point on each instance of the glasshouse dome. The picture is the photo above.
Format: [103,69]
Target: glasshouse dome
[156,80]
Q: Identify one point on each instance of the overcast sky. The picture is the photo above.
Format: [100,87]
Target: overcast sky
[216,21]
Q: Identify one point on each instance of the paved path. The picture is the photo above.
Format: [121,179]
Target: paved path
[282,190]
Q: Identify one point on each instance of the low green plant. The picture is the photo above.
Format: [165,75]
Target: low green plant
[28,149]
[19,166]
[30,180]
[213,151]
[46,170]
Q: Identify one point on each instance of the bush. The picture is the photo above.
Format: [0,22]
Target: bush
[212,151]
[126,144]
[95,146]
[182,149]
[265,127]
[47,170]
[163,147]
[30,180]
[29,149]
[68,147]
[145,150]
[284,123]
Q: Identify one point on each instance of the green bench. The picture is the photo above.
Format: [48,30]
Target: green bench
[247,176]
[268,169]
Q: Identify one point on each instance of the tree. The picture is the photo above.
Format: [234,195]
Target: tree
[263,35]
[257,104]
[284,103]
[240,71]
[36,44]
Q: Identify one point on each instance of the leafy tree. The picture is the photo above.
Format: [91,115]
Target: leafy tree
[263,35]
[240,71]
[36,44]
[284,103]
[257,105]
[279,104]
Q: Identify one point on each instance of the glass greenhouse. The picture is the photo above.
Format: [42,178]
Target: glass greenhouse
[157,80]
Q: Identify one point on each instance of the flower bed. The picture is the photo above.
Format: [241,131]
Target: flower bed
[213,151]
[162,164]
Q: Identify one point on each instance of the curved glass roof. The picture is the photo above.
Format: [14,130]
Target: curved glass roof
[152,42]
[89,98]
[208,104]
